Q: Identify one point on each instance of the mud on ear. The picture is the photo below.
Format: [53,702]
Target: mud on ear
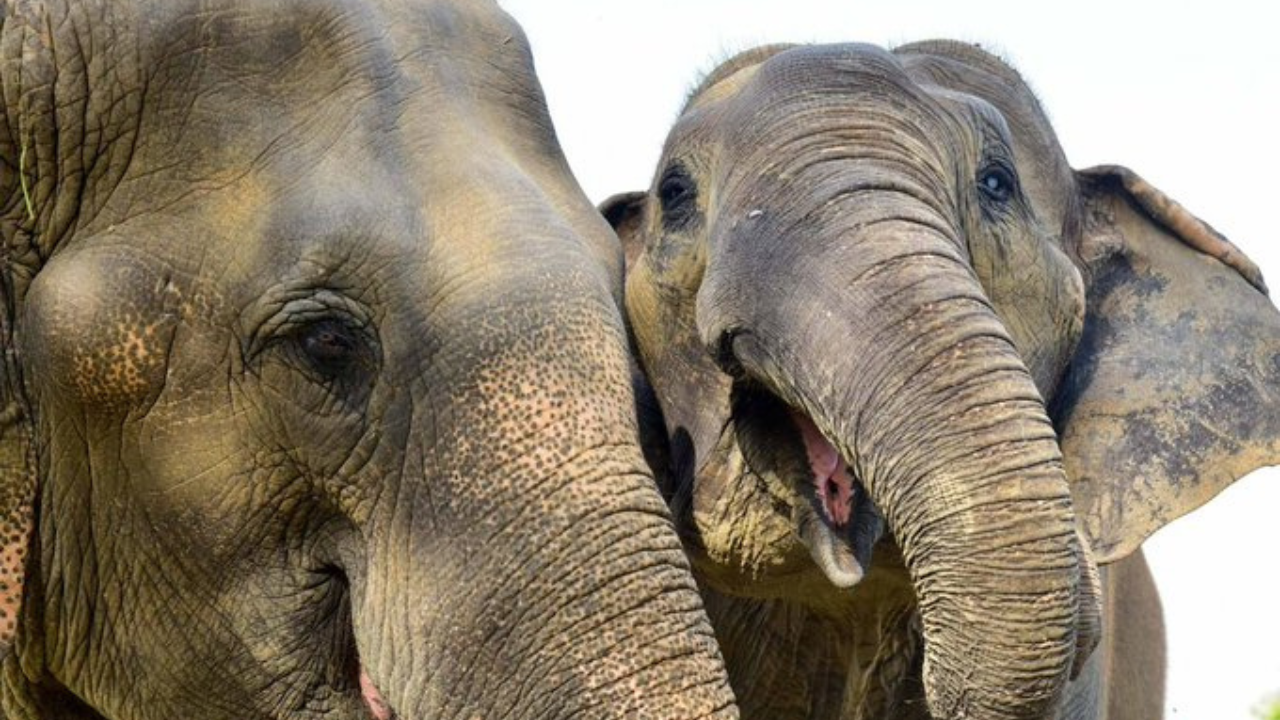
[625,212]
[1174,390]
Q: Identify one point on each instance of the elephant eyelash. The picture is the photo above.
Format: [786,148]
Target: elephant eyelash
[302,309]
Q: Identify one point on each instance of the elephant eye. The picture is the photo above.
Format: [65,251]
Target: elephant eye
[997,183]
[330,347]
[320,344]
[678,197]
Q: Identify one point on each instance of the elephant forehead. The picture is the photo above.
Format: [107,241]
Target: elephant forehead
[331,132]
[292,46]
[807,107]
[197,99]
[817,76]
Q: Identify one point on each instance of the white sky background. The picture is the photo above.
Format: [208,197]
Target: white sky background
[1189,97]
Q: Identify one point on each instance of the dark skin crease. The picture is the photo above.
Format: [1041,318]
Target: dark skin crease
[322,387]
[1095,278]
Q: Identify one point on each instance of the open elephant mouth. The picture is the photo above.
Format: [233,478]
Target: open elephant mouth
[837,521]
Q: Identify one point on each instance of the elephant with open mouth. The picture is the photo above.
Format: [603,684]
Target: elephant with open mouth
[316,395]
[912,379]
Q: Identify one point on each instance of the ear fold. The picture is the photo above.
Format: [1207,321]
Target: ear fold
[1174,391]
[625,212]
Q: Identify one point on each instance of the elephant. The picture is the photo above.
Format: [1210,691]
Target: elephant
[316,392]
[917,390]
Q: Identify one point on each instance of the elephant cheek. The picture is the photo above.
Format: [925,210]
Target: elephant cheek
[736,537]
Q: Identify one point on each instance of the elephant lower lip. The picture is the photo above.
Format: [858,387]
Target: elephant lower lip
[841,525]
[832,553]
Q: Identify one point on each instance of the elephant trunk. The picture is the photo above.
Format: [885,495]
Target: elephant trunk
[601,622]
[534,573]
[884,338]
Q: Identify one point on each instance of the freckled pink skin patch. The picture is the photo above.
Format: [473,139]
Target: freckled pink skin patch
[377,705]
[830,477]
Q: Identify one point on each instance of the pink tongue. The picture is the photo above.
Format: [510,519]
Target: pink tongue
[377,706]
[830,478]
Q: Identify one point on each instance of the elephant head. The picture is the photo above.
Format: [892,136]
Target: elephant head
[867,290]
[316,392]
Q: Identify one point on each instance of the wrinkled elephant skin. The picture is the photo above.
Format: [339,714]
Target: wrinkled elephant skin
[316,392]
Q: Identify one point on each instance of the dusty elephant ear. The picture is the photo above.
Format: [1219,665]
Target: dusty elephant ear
[1174,392]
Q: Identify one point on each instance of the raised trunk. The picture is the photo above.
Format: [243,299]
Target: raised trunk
[897,357]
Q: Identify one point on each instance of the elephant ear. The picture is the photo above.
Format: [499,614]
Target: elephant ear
[17,485]
[1174,390]
[625,213]
[20,257]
